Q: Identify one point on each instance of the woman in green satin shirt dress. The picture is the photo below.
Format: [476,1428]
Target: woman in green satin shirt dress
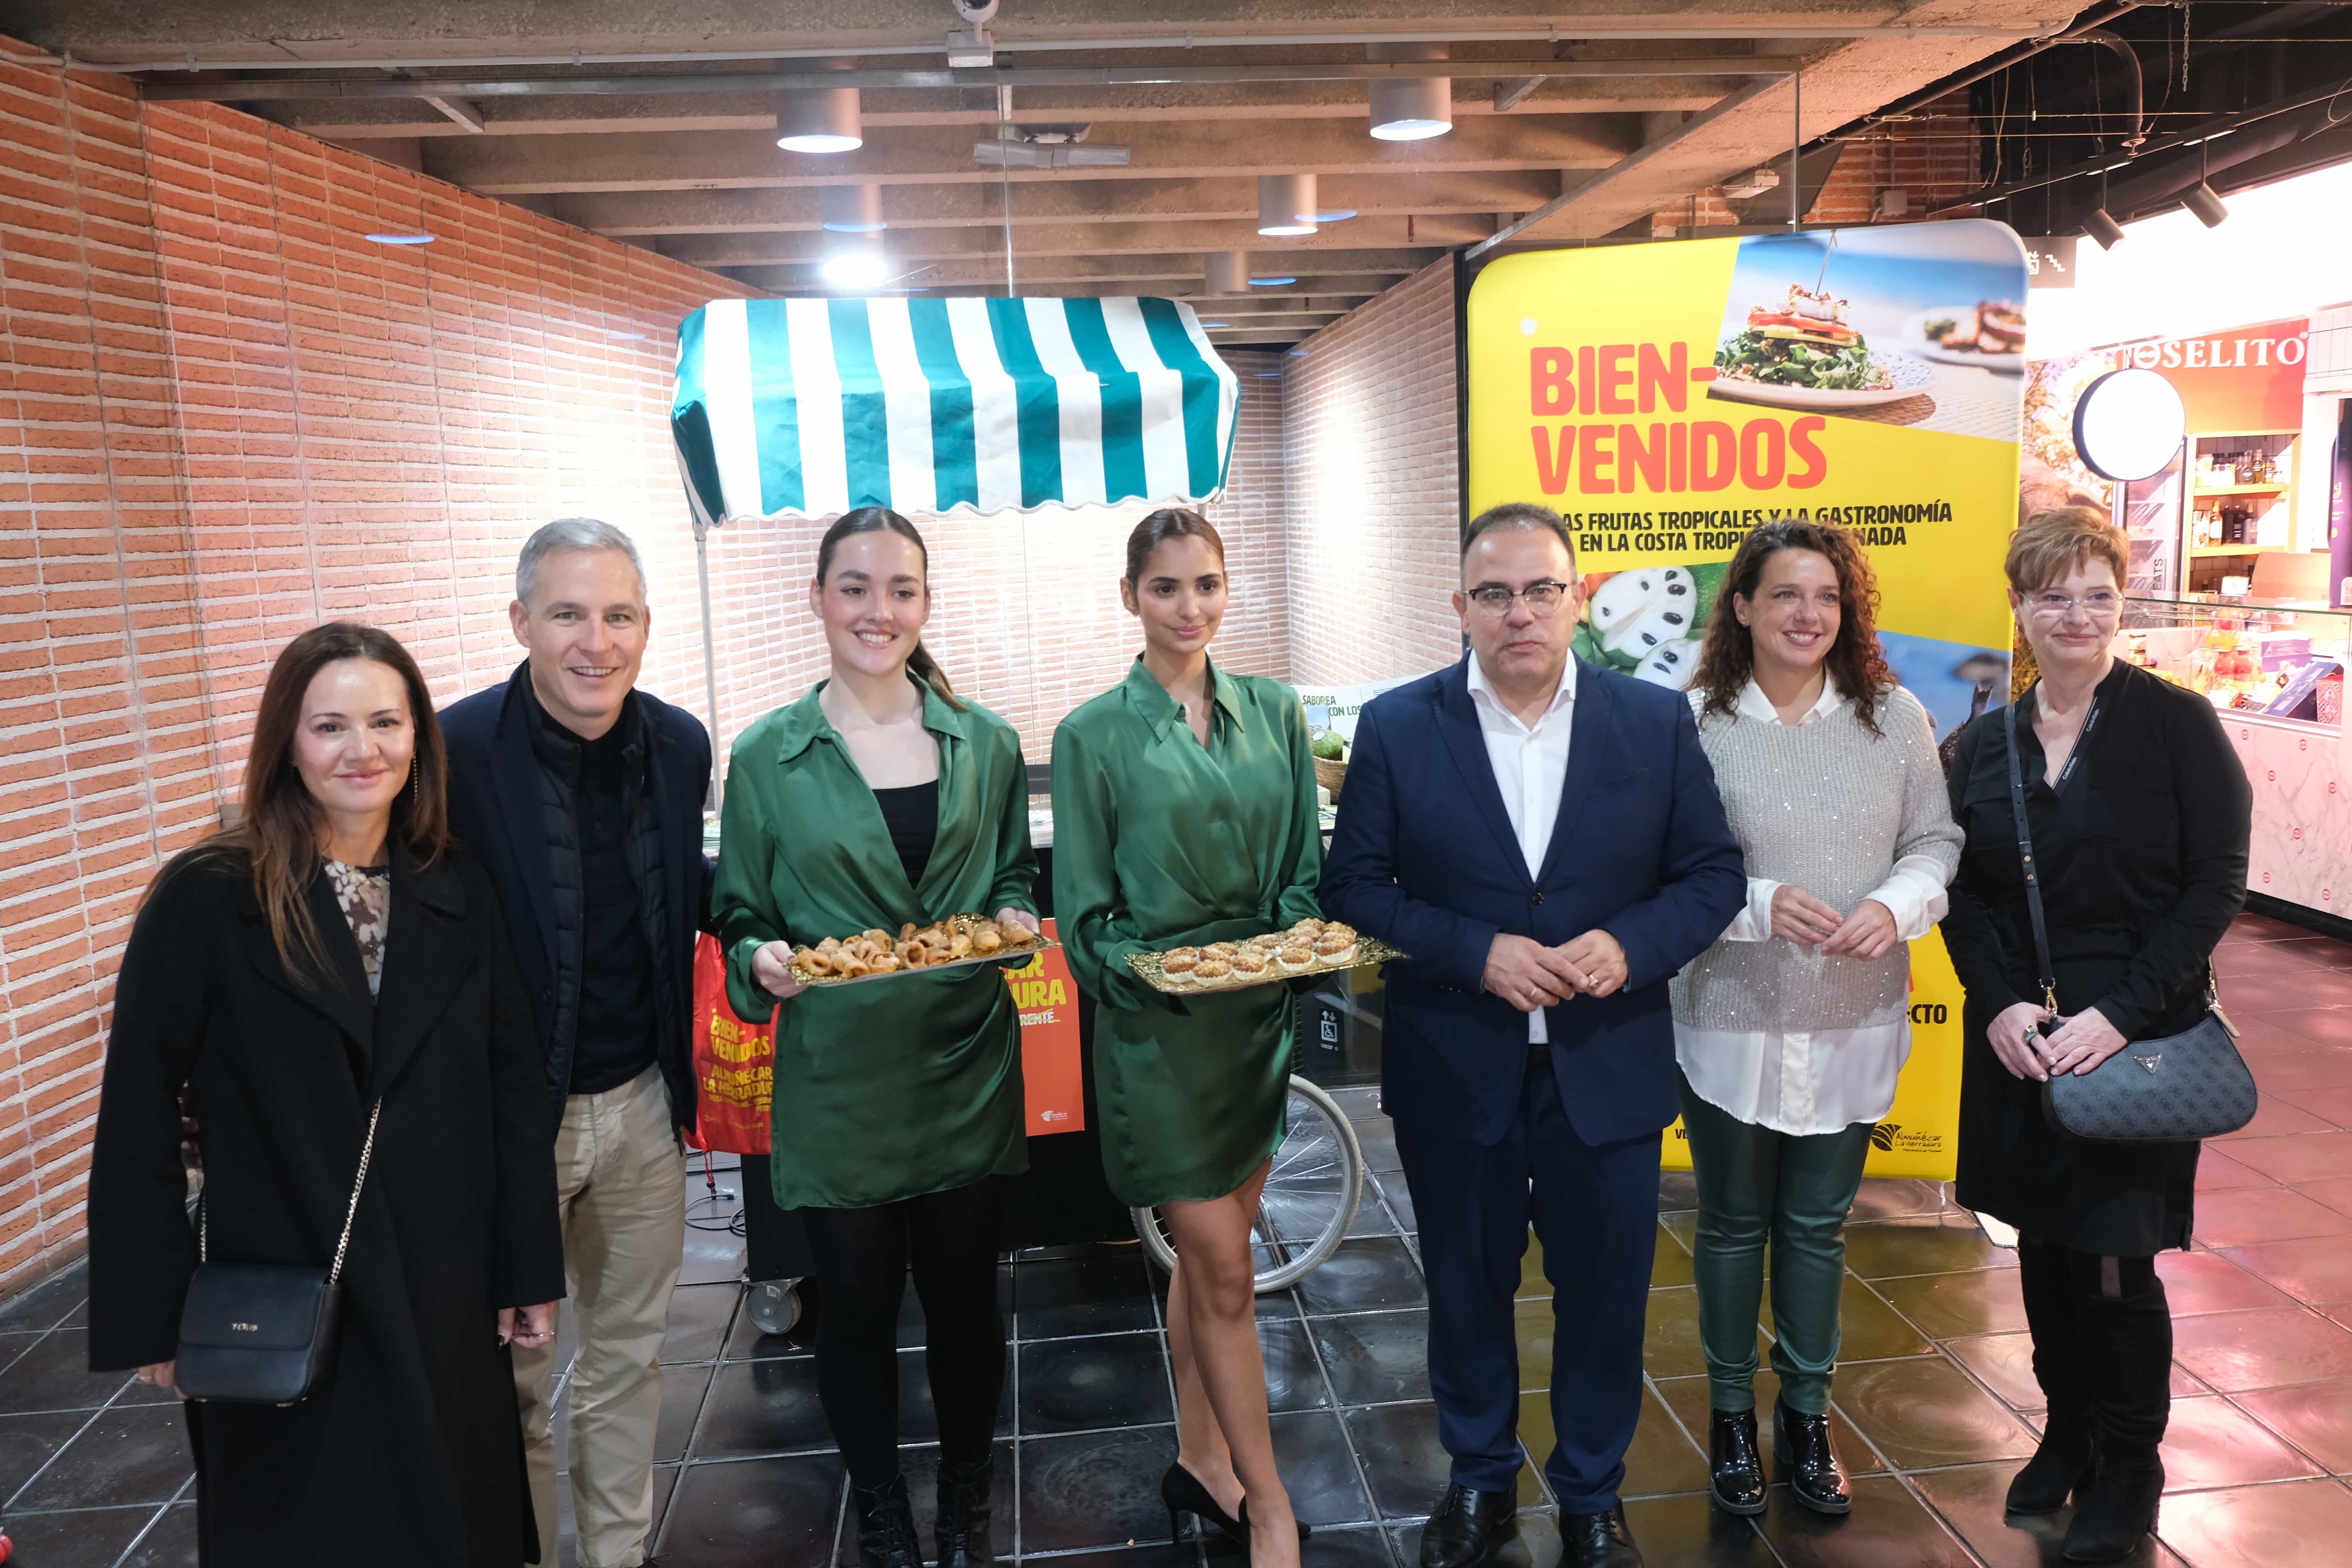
[1184,813]
[877,799]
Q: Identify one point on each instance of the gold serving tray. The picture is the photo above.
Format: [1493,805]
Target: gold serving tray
[1023,952]
[1369,950]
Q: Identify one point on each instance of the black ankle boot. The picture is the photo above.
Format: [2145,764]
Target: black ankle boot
[2117,1511]
[964,1510]
[1735,1468]
[1800,1448]
[2063,1467]
[885,1526]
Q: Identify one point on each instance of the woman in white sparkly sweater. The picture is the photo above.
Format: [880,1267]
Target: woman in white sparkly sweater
[1791,1029]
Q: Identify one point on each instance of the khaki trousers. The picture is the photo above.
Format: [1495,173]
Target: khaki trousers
[620,1180]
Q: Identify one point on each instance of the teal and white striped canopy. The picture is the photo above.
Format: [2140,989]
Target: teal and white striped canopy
[811,407]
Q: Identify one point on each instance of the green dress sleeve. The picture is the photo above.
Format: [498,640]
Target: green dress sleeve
[1095,935]
[741,909]
[1016,884]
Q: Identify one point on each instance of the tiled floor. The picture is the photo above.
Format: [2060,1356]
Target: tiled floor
[1935,1403]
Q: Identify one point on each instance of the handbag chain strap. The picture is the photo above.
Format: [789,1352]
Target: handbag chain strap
[2046,972]
[351,1212]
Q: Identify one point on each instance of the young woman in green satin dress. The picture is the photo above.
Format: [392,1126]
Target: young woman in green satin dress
[1184,813]
[880,798]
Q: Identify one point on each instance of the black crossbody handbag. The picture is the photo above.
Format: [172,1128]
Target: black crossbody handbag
[264,1333]
[2175,1089]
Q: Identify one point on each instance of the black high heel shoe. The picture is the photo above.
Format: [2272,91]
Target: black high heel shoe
[1181,1491]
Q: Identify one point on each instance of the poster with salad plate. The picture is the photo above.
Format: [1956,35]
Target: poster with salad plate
[1669,398]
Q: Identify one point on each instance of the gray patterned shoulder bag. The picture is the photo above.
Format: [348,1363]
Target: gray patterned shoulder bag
[2175,1089]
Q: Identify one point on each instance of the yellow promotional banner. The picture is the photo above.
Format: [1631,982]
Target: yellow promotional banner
[1667,398]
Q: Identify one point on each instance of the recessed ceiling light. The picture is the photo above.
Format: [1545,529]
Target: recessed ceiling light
[863,268]
[1270,282]
[402,238]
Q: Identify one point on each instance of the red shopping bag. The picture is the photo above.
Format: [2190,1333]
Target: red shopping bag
[734,1063]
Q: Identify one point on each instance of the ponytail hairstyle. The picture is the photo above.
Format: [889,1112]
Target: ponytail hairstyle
[874,520]
[275,840]
[1169,522]
[1727,659]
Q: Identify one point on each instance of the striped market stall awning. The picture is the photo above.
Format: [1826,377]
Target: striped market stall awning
[811,407]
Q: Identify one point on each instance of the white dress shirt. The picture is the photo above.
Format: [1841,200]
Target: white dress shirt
[1530,764]
[1821,1080]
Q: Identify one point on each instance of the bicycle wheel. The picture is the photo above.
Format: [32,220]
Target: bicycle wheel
[1310,1197]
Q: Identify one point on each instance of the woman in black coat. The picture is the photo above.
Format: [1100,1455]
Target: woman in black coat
[331,950]
[2140,814]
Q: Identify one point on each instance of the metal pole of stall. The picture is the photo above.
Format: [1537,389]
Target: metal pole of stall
[709,647]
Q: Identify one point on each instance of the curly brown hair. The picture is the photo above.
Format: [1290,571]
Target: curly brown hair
[1727,659]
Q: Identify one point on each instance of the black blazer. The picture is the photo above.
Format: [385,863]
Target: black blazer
[411,1452]
[494,808]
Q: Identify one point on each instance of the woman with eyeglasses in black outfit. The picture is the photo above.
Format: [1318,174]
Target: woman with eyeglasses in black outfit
[2139,813]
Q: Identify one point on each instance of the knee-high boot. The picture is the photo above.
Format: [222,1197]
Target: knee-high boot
[2064,1464]
[2127,1333]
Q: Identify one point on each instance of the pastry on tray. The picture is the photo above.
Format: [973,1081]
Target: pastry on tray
[1311,946]
[959,939]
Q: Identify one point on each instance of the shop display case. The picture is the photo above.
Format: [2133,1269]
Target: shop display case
[2276,660]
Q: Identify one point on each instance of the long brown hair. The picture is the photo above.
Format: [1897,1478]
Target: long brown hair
[1169,522]
[873,519]
[1727,659]
[276,837]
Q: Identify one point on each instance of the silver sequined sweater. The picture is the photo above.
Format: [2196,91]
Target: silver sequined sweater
[1829,807]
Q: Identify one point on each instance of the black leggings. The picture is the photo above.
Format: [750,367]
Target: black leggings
[950,1240]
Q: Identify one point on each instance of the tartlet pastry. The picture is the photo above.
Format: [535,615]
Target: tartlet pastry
[1296,955]
[1221,950]
[1213,971]
[1308,929]
[1250,963]
[1336,945]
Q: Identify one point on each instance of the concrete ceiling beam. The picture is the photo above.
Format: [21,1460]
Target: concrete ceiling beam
[334,119]
[1330,249]
[1067,200]
[650,161]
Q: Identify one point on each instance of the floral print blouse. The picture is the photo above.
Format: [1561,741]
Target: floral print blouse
[365,894]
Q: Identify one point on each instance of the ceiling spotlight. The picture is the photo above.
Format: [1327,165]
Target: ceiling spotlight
[1270,282]
[855,264]
[1410,108]
[852,209]
[2100,225]
[1286,204]
[398,239]
[819,119]
[1227,272]
[1048,147]
[2206,205]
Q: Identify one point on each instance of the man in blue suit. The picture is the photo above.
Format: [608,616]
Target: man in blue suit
[1544,839]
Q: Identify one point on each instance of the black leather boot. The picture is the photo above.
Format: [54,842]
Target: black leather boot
[964,1509]
[1800,1448]
[2118,1510]
[1735,1468]
[1467,1527]
[885,1526]
[2063,1467]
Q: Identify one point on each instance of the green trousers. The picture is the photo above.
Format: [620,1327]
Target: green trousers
[1756,1184]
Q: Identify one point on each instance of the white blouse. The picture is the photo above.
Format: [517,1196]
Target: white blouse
[1823,1081]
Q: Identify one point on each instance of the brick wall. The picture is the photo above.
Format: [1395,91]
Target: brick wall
[1930,157]
[1373,497]
[224,415]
